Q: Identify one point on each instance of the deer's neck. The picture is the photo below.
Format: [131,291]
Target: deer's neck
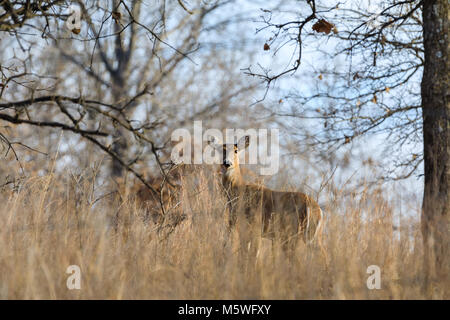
[232,178]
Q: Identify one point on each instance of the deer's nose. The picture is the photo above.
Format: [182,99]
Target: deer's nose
[227,164]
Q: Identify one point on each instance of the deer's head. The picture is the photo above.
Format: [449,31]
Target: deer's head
[229,161]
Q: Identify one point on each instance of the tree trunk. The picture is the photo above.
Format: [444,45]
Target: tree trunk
[436,139]
[119,80]
[119,145]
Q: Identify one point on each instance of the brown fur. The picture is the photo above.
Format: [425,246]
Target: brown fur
[283,214]
[150,202]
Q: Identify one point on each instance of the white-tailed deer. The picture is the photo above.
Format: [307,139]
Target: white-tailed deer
[284,215]
[166,193]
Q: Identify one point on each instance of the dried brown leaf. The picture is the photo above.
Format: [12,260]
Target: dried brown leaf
[323,26]
[374,99]
[116,15]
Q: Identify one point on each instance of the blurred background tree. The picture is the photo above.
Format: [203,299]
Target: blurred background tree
[122,80]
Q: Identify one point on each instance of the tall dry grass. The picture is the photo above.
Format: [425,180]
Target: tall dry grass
[52,221]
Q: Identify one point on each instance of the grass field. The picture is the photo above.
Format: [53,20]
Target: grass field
[51,222]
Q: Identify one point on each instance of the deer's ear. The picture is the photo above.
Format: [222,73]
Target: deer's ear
[214,142]
[243,143]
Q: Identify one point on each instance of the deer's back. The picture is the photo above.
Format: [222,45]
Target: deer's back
[291,212]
